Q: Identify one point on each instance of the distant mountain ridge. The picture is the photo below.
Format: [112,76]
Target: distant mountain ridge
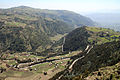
[64,15]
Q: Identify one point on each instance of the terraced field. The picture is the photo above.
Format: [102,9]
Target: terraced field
[52,65]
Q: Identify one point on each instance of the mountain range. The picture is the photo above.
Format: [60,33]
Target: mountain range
[27,29]
[57,45]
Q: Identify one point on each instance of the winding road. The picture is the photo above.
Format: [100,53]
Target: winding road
[88,49]
[70,67]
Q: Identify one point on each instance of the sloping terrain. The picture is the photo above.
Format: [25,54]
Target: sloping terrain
[16,37]
[104,73]
[83,36]
[26,33]
[63,15]
[103,55]
[27,29]
[19,32]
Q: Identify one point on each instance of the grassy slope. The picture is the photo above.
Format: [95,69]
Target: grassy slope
[102,35]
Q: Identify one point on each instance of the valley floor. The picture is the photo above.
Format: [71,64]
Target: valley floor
[35,71]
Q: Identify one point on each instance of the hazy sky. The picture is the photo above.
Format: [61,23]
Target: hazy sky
[72,5]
